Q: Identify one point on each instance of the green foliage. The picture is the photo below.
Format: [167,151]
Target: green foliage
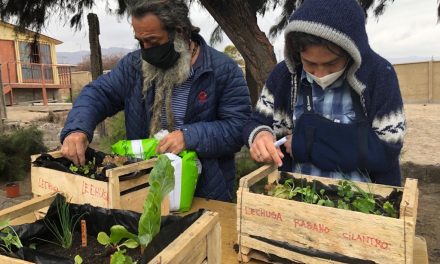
[117,234]
[389,209]
[85,169]
[15,151]
[161,182]
[78,259]
[63,229]
[115,127]
[119,257]
[350,197]
[9,239]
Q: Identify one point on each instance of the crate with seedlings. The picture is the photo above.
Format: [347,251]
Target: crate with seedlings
[106,181]
[320,220]
[111,235]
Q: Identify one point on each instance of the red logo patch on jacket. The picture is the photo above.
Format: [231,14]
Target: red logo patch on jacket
[202,97]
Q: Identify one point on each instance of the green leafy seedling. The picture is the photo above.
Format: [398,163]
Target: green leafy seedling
[63,233]
[10,239]
[389,209]
[161,182]
[78,259]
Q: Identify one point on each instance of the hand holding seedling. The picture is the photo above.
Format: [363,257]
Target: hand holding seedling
[263,149]
[74,148]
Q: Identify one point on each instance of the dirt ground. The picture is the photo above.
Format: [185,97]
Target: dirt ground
[420,159]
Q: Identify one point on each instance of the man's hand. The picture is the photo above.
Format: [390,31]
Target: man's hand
[74,148]
[174,143]
[264,150]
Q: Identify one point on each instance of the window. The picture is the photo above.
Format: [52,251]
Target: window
[35,58]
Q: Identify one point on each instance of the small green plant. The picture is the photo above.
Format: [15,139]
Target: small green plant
[117,234]
[64,228]
[78,259]
[161,182]
[85,169]
[9,238]
[351,197]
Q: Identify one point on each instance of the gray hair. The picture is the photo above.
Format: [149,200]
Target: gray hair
[173,15]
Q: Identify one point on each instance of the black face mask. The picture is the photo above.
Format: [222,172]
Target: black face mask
[162,56]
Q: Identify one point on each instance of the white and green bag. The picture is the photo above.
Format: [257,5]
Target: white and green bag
[187,169]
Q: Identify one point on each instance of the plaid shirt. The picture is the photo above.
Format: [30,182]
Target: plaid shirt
[334,103]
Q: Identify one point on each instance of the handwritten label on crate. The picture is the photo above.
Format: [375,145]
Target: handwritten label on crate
[364,239]
[80,189]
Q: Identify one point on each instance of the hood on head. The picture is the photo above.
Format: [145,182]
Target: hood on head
[339,21]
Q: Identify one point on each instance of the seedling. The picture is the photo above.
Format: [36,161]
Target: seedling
[10,238]
[351,197]
[85,169]
[63,232]
[161,182]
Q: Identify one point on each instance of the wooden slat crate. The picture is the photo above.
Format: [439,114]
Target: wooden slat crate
[114,194]
[200,243]
[309,233]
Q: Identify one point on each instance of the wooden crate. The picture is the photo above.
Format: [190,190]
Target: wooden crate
[114,194]
[200,243]
[309,233]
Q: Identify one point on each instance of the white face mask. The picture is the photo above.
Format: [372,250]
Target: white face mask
[327,80]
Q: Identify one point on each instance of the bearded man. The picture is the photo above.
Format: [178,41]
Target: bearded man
[174,82]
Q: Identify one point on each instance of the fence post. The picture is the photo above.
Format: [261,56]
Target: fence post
[3,114]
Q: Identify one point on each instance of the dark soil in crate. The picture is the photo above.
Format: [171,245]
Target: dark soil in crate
[331,191]
[100,163]
[97,219]
[94,253]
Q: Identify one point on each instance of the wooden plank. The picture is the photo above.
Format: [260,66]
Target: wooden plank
[409,203]
[55,154]
[125,185]
[26,207]
[257,175]
[327,229]
[9,260]
[214,245]
[134,201]
[184,244]
[408,213]
[228,217]
[129,168]
[77,189]
[198,253]
[113,191]
[420,251]
[281,252]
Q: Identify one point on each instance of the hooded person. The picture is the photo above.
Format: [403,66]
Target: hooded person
[175,82]
[336,100]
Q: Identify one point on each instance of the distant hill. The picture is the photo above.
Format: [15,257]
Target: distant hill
[77,56]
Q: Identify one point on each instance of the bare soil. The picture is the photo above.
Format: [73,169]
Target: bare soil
[93,253]
[420,159]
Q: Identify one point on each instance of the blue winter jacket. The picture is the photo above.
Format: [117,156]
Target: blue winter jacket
[218,106]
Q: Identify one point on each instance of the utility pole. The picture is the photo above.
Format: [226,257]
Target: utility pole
[95,56]
[3,114]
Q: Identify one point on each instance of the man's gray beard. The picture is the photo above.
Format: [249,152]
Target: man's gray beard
[164,82]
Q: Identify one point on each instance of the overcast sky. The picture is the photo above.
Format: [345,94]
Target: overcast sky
[407,29]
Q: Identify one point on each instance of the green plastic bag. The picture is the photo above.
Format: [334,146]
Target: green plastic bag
[187,169]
